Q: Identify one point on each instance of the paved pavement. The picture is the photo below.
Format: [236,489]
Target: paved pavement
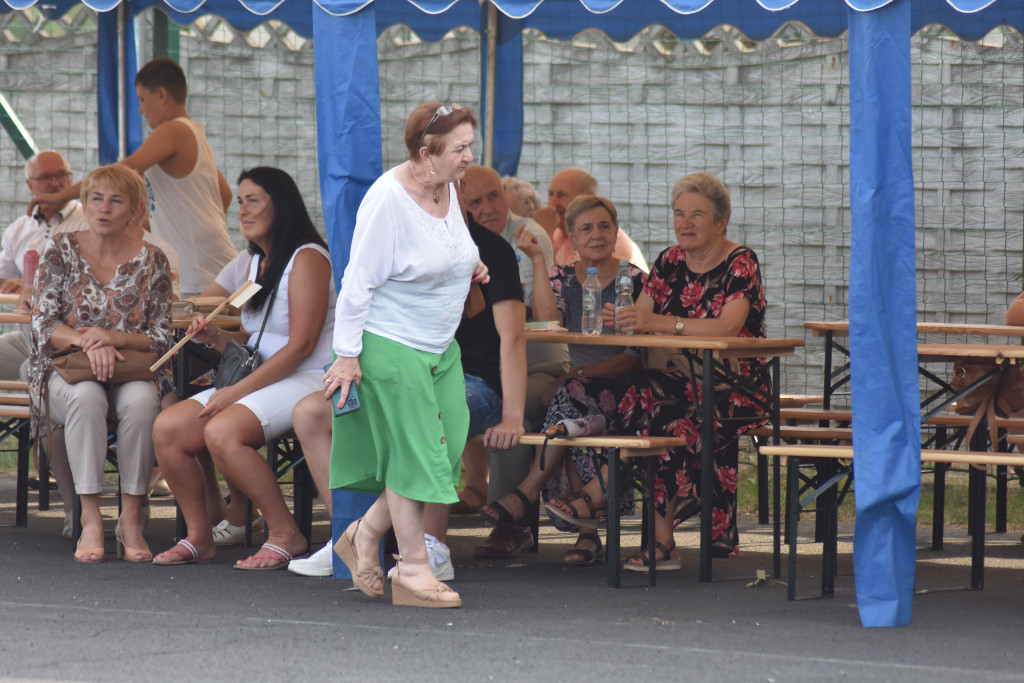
[527,619]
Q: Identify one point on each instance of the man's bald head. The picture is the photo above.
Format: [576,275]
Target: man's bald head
[483,197]
[566,186]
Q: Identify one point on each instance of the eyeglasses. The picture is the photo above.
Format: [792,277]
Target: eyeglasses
[443,110]
[52,176]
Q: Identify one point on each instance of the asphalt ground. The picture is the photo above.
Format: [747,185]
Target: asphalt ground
[524,619]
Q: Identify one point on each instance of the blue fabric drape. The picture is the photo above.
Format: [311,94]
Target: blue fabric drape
[106,85]
[883,315]
[508,95]
[348,121]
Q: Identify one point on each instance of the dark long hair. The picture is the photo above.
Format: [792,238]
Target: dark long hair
[291,228]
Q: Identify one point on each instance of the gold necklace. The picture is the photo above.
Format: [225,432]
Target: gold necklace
[437,195]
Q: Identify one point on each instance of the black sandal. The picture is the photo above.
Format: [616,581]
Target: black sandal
[589,556]
[663,563]
[505,519]
[598,515]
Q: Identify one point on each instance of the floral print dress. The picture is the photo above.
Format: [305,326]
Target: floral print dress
[585,396]
[667,402]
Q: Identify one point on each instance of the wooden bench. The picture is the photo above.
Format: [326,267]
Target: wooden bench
[977,460]
[619,448]
[15,419]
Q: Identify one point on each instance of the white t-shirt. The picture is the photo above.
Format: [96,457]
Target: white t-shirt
[32,232]
[173,260]
[235,274]
[408,273]
[276,334]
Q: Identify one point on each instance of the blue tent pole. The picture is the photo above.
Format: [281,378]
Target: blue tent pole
[883,311]
[106,85]
[350,156]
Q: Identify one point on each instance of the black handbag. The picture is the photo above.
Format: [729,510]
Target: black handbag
[239,360]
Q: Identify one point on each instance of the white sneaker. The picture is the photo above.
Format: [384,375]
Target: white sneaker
[226,533]
[320,563]
[440,560]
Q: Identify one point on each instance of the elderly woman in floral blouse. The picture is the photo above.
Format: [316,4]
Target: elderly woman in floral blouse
[105,291]
[705,285]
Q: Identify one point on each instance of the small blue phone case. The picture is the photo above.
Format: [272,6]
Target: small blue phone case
[351,404]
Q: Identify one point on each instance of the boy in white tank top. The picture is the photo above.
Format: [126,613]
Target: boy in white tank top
[188,196]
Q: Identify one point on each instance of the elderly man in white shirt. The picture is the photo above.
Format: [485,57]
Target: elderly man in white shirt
[484,198]
[45,172]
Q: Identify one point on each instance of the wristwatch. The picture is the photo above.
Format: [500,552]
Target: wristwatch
[579,373]
[679,326]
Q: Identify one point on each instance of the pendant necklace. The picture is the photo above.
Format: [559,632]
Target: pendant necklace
[437,195]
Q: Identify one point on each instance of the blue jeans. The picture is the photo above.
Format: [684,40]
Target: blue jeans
[484,405]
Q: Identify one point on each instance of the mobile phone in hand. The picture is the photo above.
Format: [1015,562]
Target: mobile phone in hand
[351,404]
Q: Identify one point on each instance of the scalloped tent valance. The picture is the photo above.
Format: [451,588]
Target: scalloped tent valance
[620,19]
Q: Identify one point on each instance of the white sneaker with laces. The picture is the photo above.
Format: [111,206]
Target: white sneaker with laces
[440,560]
[320,563]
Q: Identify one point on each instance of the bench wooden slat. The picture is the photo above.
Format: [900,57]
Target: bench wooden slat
[927,454]
[609,441]
[807,433]
[13,385]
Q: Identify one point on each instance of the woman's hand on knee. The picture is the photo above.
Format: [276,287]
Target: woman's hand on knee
[221,399]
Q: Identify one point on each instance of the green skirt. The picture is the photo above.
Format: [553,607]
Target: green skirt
[411,429]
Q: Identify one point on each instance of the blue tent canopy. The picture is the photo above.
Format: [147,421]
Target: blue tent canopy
[882,279]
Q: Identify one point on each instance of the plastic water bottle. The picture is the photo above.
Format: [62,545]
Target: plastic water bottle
[522,273]
[591,303]
[623,293]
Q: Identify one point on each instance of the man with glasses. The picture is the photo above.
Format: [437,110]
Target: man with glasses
[45,173]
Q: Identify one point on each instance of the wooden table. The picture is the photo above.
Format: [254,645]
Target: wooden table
[709,353]
[937,402]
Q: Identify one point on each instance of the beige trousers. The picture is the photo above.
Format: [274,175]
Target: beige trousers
[85,409]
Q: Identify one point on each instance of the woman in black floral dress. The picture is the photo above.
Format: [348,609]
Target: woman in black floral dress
[707,285]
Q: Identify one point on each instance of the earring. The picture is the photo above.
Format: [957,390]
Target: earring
[432,171]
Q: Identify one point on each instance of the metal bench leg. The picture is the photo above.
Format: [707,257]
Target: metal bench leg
[42,457]
[614,577]
[762,486]
[938,505]
[21,494]
[792,521]
[976,481]
[1001,482]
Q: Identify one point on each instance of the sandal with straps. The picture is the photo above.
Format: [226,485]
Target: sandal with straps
[280,558]
[504,518]
[596,515]
[369,580]
[440,596]
[664,563]
[183,552]
[590,556]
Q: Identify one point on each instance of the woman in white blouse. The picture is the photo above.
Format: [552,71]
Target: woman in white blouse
[402,297]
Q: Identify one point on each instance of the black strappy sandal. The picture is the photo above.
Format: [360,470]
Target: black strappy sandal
[589,556]
[505,519]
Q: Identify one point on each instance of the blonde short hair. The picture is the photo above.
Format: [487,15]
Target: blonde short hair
[123,179]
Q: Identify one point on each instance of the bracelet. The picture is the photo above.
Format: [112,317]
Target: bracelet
[213,344]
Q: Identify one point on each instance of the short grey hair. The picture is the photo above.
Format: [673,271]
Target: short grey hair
[709,187]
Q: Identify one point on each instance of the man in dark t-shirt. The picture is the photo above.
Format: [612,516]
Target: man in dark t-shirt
[493,348]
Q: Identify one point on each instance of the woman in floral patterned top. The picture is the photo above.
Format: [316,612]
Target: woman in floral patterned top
[103,290]
[588,393]
[707,285]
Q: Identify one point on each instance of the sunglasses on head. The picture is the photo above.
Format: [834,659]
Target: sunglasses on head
[443,110]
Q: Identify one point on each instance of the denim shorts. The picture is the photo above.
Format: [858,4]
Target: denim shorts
[484,405]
